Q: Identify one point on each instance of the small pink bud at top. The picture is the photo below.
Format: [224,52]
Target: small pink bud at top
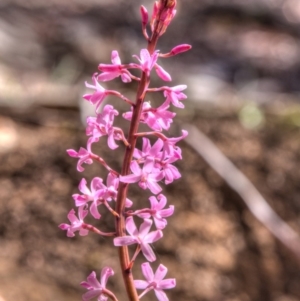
[169,18]
[144,14]
[180,48]
[171,4]
[154,14]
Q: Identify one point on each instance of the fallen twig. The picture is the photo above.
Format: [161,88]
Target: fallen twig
[242,185]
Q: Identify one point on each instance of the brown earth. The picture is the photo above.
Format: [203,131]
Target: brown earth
[213,246]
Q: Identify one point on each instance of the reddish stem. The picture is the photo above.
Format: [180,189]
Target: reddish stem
[123,187]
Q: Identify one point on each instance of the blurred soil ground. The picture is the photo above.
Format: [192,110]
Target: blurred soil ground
[213,246]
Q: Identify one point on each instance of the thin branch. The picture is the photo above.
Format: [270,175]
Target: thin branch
[96,230]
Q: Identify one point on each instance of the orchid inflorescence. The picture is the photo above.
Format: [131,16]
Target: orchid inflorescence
[147,166]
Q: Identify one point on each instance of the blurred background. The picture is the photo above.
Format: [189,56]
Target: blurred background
[243,77]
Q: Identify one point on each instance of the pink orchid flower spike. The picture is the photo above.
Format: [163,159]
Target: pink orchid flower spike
[155,281]
[141,237]
[96,288]
[147,166]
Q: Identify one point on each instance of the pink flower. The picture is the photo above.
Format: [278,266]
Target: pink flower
[157,211]
[170,172]
[147,62]
[97,189]
[103,125]
[180,48]
[156,118]
[174,95]
[165,17]
[84,155]
[96,288]
[111,192]
[170,149]
[154,14]
[114,70]
[148,176]
[155,281]
[100,125]
[76,222]
[148,151]
[144,14]
[141,237]
[98,96]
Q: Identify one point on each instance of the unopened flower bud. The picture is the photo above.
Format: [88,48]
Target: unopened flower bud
[144,14]
[180,48]
[171,4]
[154,14]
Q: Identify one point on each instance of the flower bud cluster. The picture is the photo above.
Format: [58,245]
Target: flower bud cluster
[150,166]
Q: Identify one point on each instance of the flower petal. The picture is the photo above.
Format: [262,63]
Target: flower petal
[160,273]
[140,284]
[135,168]
[124,241]
[105,274]
[92,280]
[167,283]
[147,271]
[131,227]
[153,236]
[115,58]
[154,187]
[130,178]
[162,73]
[90,295]
[145,227]
[148,252]
[160,295]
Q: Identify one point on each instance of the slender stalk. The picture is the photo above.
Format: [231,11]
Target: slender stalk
[125,262]
[110,295]
[123,189]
